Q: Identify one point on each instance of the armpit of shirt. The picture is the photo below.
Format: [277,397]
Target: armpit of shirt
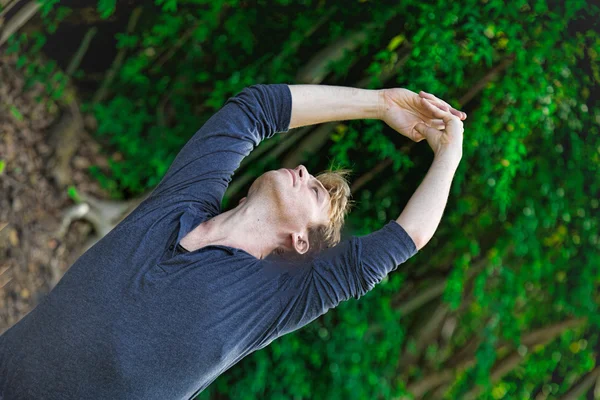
[181,249]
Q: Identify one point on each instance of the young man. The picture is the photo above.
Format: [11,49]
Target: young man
[179,292]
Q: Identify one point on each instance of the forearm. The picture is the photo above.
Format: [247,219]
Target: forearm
[423,213]
[314,104]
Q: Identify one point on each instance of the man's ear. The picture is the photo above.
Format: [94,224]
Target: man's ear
[300,242]
[243,199]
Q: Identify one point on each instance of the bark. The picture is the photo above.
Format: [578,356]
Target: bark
[292,47]
[64,138]
[18,20]
[423,335]
[432,290]
[315,71]
[6,6]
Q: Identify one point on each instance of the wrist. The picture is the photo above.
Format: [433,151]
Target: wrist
[381,107]
[448,159]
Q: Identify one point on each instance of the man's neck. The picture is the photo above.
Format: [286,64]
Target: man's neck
[244,227]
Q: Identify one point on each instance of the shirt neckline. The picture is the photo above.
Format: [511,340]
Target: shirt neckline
[188,222]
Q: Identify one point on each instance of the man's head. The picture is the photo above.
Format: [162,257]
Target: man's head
[309,210]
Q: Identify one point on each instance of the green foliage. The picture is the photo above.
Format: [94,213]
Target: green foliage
[29,46]
[106,8]
[167,5]
[14,111]
[35,71]
[518,244]
[51,15]
[73,194]
[46,6]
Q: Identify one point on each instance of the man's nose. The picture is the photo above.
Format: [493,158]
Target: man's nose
[302,172]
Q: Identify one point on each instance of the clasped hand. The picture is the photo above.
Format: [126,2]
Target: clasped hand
[423,116]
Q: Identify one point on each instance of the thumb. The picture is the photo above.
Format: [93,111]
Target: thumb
[425,131]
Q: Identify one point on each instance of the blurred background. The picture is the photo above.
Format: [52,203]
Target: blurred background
[98,97]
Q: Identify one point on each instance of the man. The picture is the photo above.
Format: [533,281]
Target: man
[179,292]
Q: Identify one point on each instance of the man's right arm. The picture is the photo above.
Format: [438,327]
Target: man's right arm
[423,212]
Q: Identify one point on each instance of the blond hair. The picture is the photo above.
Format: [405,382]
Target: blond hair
[321,237]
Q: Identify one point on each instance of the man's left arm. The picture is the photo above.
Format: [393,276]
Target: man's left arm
[203,168]
[315,104]
[399,108]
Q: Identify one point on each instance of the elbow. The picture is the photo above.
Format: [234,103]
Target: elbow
[418,239]
[419,242]
[414,232]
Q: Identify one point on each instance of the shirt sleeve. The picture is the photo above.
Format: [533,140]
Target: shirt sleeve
[204,167]
[350,269]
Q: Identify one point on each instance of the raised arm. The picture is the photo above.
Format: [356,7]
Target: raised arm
[400,108]
[408,113]
[352,268]
[315,104]
[423,213]
[204,167]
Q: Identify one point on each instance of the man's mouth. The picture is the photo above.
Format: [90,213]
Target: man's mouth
[293,176]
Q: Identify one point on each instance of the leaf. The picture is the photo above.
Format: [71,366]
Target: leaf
[167,5]
[16,113]
[106,8]
[395,42]
[47,6]
[73,194]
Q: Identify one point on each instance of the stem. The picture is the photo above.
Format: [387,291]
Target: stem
[83,48]
[116,65]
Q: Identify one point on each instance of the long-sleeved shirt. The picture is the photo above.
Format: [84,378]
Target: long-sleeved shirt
[136,317]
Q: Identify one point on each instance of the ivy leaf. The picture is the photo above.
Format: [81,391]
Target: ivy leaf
[106,8]
[47,6]
[167,5]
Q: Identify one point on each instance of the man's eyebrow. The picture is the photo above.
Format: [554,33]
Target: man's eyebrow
[320,184]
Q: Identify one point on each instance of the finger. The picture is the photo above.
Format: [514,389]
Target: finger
[453,110]
[415,136]
[458,113]
[438,102]
[436,123]
[439,126]
[435,99]
[418,137]
[426,131]
[444,115]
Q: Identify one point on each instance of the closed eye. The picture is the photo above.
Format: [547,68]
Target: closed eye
[317,191]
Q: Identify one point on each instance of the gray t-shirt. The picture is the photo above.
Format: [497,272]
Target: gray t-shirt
[135,317]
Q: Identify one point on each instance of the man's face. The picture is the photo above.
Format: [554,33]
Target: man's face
[295,197]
